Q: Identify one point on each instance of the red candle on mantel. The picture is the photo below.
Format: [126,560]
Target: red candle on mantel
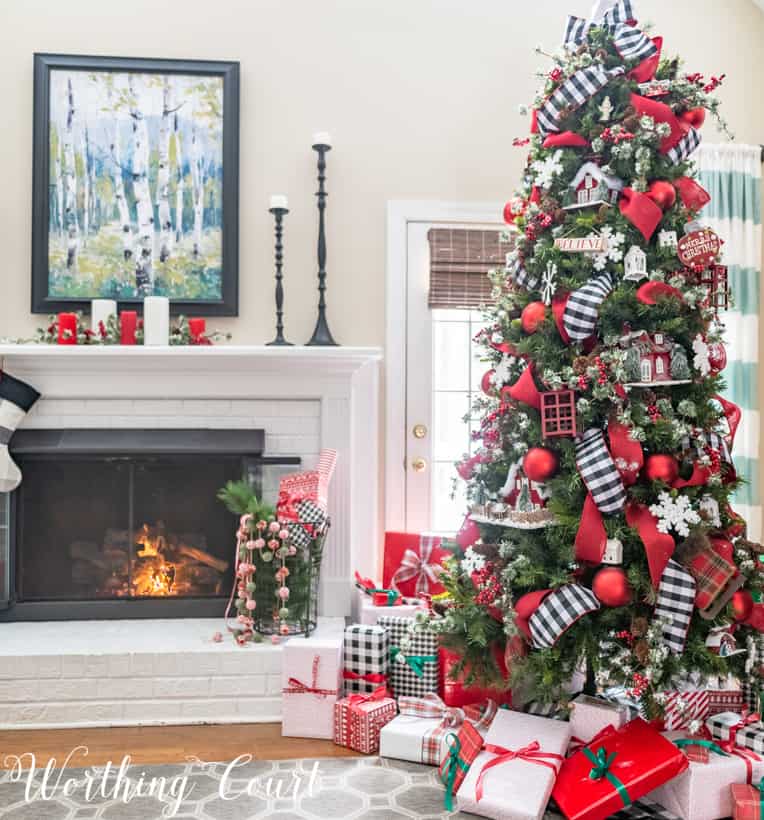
[67,328]
[128,321]
[198,327]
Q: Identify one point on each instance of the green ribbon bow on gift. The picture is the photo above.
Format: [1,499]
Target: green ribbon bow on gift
[692,741]
[452,766]
[416,662]
[392,595]
[602,763]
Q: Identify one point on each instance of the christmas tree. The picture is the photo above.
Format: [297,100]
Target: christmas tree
[600,536]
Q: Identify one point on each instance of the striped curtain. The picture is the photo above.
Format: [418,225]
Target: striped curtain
[731,173]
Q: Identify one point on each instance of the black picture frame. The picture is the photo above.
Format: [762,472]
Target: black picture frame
[42,302]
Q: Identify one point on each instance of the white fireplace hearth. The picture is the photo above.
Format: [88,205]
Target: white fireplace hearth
[305,399]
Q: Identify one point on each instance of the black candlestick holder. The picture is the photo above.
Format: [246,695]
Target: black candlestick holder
[322,335]
[278,215]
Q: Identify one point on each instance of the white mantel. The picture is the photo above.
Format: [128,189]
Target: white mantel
[343,381]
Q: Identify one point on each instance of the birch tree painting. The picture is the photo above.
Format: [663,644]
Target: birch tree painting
[136,184]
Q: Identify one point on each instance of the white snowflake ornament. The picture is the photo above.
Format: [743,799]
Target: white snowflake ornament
[472,561]
[549,283]
[547,169]
[701,360]
[614,251]
[674,513]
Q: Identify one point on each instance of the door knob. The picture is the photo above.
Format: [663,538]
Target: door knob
[419,431]
[418,465]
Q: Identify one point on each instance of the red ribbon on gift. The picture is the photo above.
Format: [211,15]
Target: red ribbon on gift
[731,747]
[529,753]
[660,112]
[372,677]
[417,565]
[659,546]
[355,701]
[641,211]
[297,687]
[693,195]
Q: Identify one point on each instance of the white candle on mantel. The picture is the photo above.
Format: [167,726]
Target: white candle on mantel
[279,201]
[322,138]
[100,310]
[156,321]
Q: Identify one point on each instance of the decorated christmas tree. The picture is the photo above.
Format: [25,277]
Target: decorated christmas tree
[600,537]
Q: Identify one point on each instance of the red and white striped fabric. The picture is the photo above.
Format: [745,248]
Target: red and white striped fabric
[682,708]
[311,485]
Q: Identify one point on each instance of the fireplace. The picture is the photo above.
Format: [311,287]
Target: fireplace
[126,523]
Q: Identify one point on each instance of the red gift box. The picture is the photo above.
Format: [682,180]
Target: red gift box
[412,564]
[725,700]
[615,770]
[455,693]
[358,720]
[312,485]
[746,802]
[683,708]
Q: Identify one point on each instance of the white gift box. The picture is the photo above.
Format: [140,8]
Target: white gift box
[401,738]
[517,789]
[368,613]
[702,792]
[590,716]
[311,682]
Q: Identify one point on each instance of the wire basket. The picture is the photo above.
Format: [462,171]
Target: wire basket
[304,582]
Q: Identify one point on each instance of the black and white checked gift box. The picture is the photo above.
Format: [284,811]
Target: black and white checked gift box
[558,612]
[750,736]
[366,653]
[421,642]
[675,605]
[599,473]
[582,309]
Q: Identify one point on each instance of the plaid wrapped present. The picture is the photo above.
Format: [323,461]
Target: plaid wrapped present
[747,801]
[311,485]
[711,572]
[463,748]
[366,658]
[413,668]
[745,730]
[358,720]
[683,708]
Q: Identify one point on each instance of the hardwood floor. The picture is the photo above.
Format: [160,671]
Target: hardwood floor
[165,744]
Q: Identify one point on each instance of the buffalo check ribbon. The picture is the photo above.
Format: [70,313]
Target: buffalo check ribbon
[297,687]
[451,768]
[431,706]
[519,274]
[689,142]
[602,761]
[417,565]
[599,472]
[582,308]
[481,717]
[530,753]
[731,746]
[630,42]
[675,605]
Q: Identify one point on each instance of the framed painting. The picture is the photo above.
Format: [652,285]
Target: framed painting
[136,183]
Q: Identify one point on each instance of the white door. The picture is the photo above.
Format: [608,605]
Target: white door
[443,373]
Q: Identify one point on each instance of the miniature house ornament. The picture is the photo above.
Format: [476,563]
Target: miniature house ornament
[635,264]
[667,239]
[613,553]
[592,186]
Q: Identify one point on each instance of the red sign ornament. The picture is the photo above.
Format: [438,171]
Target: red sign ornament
[699,248]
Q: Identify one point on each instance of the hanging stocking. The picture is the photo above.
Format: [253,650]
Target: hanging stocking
[582,309]
[16,400]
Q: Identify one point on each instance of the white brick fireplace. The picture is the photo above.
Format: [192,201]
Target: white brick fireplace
[305,399]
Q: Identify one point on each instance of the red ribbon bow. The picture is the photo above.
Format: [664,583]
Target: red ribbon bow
[731,747]
[355,701]
[659,547]
[529,753]
[371,677]
[297,687]
[641,211]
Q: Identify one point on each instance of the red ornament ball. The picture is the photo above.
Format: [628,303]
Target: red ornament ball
[694,117]
[742,605]
[662,193]
[756,618]
[532,316]
[661,467]
[717,357]
[540,464]
[611,587]
[486,385]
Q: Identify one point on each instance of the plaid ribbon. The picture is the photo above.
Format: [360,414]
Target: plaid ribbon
[417,565]
[696,445]
[711,573]
[599,472]
[629,41]
[582,309]
[462,751]
[686,744]
[558,612]
[297,687]
[518,273]
[675,605]
[431,706]
[530,753]
[689,142]
[602,761]
[570,95]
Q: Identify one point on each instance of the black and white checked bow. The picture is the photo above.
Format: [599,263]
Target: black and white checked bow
[675,605]
[629,41]
[519,274]
[572,94]
[696,446]
[582,310]
[558,612]
[598,470]
[689,142]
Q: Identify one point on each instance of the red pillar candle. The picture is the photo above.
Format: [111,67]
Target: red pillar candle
[128,321]
[67,328]
[198,327]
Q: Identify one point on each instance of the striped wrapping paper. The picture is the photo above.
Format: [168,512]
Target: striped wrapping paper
[682,708]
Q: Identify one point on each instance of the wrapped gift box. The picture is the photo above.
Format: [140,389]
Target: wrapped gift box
[621,696]
[748,731]
[619,767]
[358,720]
[419,732]
[516,788]
[683,708]
[463,748]
[726,700]
[311,681]
[455,693]
[751,697]
[369,612]
[413,667]
[702,792]
[746,802]
[366,658]
[589,716]
[412,563]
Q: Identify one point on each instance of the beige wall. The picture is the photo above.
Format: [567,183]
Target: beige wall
[420,95]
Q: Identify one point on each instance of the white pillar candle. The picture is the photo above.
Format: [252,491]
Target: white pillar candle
[279,201]
[322,138]
[156,321]
[100,310]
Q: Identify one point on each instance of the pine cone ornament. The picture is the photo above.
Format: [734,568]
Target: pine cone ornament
[639,627]
[641,651]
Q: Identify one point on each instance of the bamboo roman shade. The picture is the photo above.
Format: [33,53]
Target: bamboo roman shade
[460,258]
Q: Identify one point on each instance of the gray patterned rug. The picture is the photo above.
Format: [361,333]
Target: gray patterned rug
[371,788]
